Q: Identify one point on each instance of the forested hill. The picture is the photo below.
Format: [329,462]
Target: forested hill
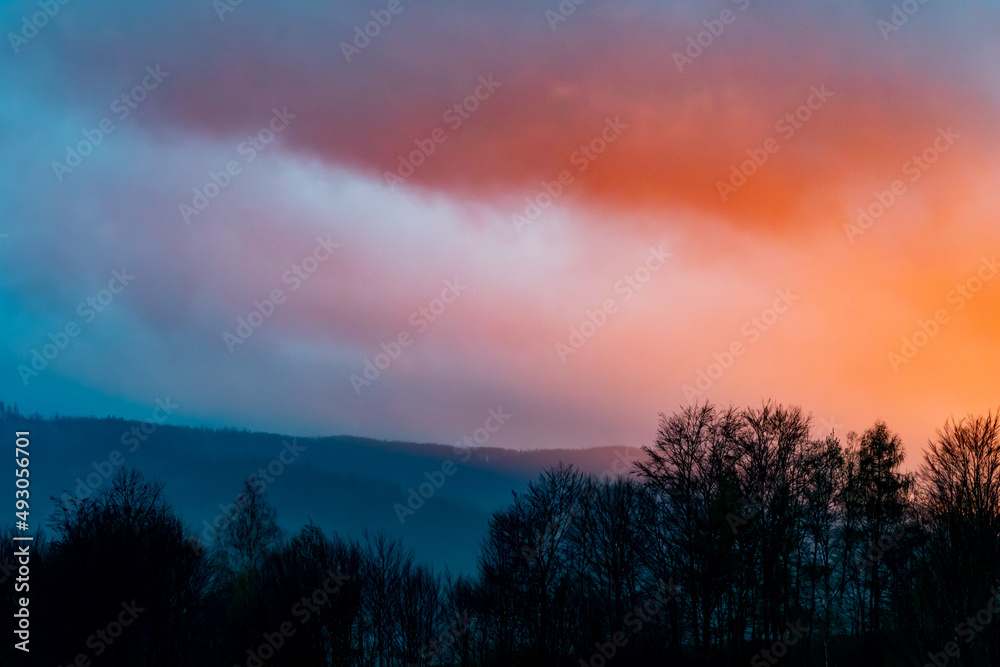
[743,539]
[345,484]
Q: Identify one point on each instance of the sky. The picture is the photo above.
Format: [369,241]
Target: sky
[388,218]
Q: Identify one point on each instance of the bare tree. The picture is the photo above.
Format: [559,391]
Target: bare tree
[125,550]
[253,530]
[384,563]
[687,470]
[960,496]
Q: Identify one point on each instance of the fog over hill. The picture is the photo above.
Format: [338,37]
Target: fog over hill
[437,498]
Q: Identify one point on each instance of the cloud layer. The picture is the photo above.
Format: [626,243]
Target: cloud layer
[539,162]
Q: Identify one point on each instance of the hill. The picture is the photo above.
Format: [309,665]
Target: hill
[438,498]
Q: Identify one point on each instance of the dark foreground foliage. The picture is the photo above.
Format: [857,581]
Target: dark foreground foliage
[738,540]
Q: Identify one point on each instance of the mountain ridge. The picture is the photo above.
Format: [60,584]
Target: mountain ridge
[436,497]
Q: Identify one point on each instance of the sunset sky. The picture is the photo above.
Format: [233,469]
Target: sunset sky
[694,166]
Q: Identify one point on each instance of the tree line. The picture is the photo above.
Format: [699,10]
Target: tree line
[738,539]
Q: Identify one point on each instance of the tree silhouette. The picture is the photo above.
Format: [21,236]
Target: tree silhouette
[777,547]
[253,530]
[124,549]
[880,495]
[960,498]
